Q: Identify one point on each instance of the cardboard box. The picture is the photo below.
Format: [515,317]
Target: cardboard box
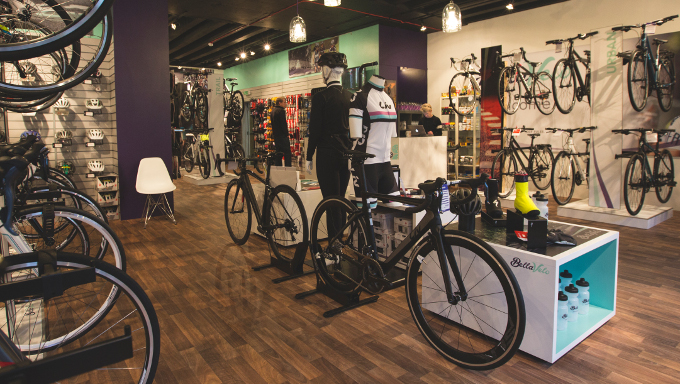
[403,225]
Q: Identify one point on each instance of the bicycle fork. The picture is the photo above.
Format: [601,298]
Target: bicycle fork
[446,259]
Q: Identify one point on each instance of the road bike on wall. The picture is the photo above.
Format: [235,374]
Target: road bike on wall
[567,171]
[568,84]
[203,154]
[646,73]
[538,166]
[466,82]
[233,101]
[232,149]
[639,177]
[194,107]
[189,152]
[517,84]
[463,297]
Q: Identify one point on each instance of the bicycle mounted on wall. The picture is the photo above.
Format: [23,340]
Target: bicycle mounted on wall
[538,88]
[567,171]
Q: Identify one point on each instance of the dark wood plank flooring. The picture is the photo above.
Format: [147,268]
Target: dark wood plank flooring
[221,322]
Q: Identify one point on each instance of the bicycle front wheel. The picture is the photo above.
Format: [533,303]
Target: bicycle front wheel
[462,105]
[543,97]
[237,208]
[564,86]
[204,162]
[503,169]
[563,178]
[634,189]
[541,163]
[482,331]
[338,253]
[664,173]
[664,88]
[201,109]
[89,313]
[509,90]
[288,221]
[638,81]
[188,157]
[237,105]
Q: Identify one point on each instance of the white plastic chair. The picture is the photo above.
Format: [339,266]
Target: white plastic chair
[154,181]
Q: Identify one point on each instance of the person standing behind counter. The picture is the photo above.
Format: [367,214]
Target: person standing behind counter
[430,122]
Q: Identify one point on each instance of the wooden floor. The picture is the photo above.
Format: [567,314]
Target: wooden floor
[221,322]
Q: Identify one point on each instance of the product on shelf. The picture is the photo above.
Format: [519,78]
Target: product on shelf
[562,311]
[583,296]
[572,292]
[565,279]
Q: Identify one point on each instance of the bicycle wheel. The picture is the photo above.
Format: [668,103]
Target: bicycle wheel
[186,112]
[203,162]
[509,91]
[238,151]
[541,163]
[542,93]
[89,313]
[638,81]
[201,110]
[188,157]
[563,178]
[75,231]
[481,332]
[564,86]
[288,219]
[635,184]
[237,105]
[666,83]
[664,173]
[461,82]
[237,206]
[79,18]
[503,169]
[338,261]
[75,199]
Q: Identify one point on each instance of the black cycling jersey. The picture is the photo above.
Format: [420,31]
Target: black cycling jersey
[330,117]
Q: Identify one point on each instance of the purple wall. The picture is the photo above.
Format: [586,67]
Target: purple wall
[142,62]
[404,48]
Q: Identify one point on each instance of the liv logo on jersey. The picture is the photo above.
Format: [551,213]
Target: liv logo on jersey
[384,105]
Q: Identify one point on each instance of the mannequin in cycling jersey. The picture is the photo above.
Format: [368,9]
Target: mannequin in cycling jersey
[373,123]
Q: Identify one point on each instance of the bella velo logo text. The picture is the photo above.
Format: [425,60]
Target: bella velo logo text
[517,263]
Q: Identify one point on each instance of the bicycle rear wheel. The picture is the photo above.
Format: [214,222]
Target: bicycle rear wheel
[664,173]
[564,86]
[666,83]
[481,332]
[89,313]
[461,82]
[237,105]
[201,110]
[635,184]
[237,206]
[563,178]
[204,162]
[509,91]
[638,81]
[288,218]
[541,163]
[503,169]
[338,255]
[542,93]
[188,157]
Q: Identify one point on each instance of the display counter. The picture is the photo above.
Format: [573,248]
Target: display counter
[419,158]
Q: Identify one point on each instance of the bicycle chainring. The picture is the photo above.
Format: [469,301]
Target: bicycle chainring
[374,280]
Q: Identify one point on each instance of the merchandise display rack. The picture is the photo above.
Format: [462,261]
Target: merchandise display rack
[464,130]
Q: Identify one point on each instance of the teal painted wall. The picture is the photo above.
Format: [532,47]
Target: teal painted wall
[359,46]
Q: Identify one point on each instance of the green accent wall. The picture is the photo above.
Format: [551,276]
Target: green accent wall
[360,47]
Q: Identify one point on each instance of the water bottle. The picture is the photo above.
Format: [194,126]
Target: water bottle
[541,202]
[565,278]
[562,311]
[583,296]
[572,293]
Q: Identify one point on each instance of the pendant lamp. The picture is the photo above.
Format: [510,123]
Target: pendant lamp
[451,18]
[331,3]
[298,30]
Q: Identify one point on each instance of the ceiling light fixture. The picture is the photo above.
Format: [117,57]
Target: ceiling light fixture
[510,7]
[331,3]
[173,26]
[243,55]
[423,28]
[451,18]
[252,53]
[267,47]
[179,67]
[297,30]
[237,59]
[219,63]
[210,44]
[202,69]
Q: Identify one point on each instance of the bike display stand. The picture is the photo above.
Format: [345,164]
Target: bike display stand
[346,301]
[294,268]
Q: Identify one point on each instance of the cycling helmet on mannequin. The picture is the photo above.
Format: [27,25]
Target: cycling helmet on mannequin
[95,165]
[25,134]
[93,104]
[62,103]
[63,134]
[95,134]
[468,209]
[332,60]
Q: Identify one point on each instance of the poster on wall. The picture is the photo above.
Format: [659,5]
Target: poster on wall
[302,61]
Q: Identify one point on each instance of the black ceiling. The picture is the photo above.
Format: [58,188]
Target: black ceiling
[214,31]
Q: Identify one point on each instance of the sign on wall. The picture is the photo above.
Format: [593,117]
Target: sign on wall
[302,61]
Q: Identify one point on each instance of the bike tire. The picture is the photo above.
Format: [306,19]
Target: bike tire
[186,112]
[638,80]
[542,93]
[237,105]
[563,180]
[286,211]
[97,310]
[201,110]
[188,157]
[460,81]
[541,160]
[237,212]
[338,264]
[491,285]
[666,84]
[80,200]
[664,174]
[635,184]
[564,84]
[204,162]
[505,172]
[507,87]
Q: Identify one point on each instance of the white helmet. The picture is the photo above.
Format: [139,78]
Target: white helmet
[93,104]
[95,134]
[95,165]
[64,134]
[62,103]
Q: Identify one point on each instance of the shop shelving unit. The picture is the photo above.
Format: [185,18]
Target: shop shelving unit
[466,131]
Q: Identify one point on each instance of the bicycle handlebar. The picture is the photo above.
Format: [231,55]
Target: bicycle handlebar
[500,130]
[631,130]
[580,36]
[626,28]
[580,130]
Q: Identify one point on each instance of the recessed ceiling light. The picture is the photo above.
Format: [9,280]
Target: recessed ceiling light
[243,55]
[267,47]
[237,59]
[179,67]
[173,26]
[252,53]
[210,44]
[510,7]
[219,63]
[423,28]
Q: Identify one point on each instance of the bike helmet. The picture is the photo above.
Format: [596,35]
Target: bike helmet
[95,134]
[25,134]
[468,209]
[62,103]
[95,165]
[63,134]
[93,104]
[333,60]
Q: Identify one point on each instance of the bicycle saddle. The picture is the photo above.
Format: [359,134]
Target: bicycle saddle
[534,135]
[586,141]
[587,53]
[233,84]
[231,79]
[659,41]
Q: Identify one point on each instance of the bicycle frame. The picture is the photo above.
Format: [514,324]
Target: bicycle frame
[576,156]
[248,189]
[515,148]
[519,67]
[652,70]
[572,59]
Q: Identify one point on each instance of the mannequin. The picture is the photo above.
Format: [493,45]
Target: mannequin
[373,124]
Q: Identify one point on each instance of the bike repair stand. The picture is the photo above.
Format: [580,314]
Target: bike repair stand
[294,268]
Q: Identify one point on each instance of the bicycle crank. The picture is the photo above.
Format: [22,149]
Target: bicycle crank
[374,277]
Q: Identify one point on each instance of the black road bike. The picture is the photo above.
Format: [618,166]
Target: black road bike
[568,83]
[640,178]
[538,164]
[646,73]
[233,101]
[517,84]
[194,108]
[282,218]
[462,295]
